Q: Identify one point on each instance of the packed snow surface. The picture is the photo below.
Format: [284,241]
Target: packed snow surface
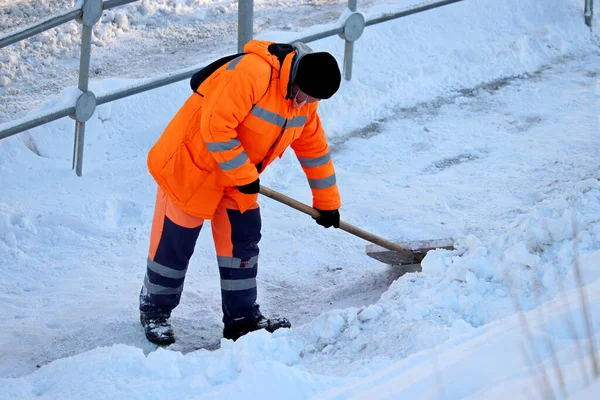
[477,121]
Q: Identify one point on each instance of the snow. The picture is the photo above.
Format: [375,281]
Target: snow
[478,121]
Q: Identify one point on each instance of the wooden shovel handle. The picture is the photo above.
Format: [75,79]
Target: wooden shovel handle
[354,230]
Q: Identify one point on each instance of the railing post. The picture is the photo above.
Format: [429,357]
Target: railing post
[245,23]
[589,12]
[353,28]
[86,103]
[349,47]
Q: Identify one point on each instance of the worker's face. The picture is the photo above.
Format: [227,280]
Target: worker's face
[301,98]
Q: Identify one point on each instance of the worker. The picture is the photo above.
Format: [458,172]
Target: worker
[244,112]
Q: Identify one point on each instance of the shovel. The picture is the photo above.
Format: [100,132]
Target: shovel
[403,253]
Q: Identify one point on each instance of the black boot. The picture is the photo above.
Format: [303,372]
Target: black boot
[236,329]
[158,330]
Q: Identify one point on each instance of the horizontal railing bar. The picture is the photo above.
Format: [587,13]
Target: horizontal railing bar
[404,13]
[176,77]
[40,27]
[116,3]
[53,22]
[23,124]
[321,35]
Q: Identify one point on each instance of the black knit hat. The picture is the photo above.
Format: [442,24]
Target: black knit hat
[318,75]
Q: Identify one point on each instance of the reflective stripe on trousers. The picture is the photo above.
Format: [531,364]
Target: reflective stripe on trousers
[172,241]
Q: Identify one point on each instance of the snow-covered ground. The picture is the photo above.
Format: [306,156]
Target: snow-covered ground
[478,121]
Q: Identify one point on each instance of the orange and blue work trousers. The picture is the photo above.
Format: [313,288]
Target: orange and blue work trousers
[172,241]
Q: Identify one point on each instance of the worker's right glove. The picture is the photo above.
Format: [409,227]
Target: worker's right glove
[251,188]
[328,218]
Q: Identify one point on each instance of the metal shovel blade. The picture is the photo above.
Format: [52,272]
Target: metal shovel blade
[417,248]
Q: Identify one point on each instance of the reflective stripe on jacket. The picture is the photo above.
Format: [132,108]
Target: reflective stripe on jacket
[242,117]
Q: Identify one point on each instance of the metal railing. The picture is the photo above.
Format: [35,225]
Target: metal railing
[88,13]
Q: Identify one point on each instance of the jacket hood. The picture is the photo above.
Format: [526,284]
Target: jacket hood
[284,59]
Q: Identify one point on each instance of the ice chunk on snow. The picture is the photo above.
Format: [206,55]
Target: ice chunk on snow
[560,228]
[587,185]
[460,327]
[520,254]
[436,262]
[329,326]
[369,313]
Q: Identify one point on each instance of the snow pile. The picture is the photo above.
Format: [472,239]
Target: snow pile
[535,256]
[540,354]
[472,286]
[22,60]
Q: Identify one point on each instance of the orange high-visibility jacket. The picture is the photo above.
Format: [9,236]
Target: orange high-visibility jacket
[239,118]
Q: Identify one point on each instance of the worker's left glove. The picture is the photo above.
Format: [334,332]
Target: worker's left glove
[251,188]
[328,218]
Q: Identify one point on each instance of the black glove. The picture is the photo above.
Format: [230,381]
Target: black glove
[251,188]
[328,218]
